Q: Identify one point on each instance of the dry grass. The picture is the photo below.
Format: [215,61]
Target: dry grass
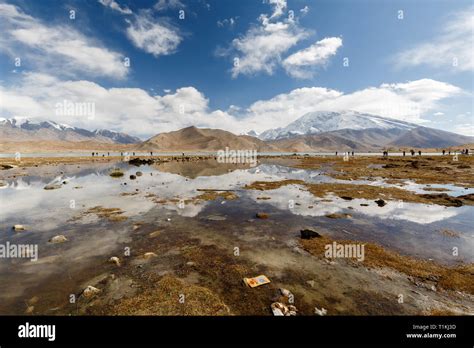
[450,278]
[164,299]
[423,170]
[112,214]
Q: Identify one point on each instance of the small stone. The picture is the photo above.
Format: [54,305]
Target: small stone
[90,292]
[132,177]
[311,283]
[190,263]
[262,215]
[19,228]
[138,173]
[52,186]
[115,259]
[309,234]
[149,255]
[58,239]
[321,312]
[154,234]
[380,202]
[285,292]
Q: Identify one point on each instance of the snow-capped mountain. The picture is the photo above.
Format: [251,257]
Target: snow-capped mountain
[118,137]
[327,121]
[23,129]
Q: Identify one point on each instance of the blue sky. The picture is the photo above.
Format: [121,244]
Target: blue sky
[414,65]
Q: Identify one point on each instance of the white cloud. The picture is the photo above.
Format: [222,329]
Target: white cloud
[451,50]
[304,10]
[279,6]
[465,129]
[59,48]
[132,110]
[438,113]
[262,48]
[163,5]
[230,22]
[115,6]
[135,111]
[153,36]
[404,101]
[317,54]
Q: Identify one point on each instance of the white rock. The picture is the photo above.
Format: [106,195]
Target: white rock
[90,291]
[149,255]
[58,239]
[321,311]
[115,259]
[19,227]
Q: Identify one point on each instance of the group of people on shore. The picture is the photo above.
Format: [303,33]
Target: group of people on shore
[413,152]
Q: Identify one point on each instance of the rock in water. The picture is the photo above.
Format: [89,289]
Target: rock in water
[262,215]
[380,202]
[90,291]
[52,186]
[309,234]
[138,173]
[132,177]
[19,228]
[58,239]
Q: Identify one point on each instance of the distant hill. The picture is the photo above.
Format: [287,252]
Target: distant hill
[203,139]
[429,137]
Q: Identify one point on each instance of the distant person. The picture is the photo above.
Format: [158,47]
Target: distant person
[419,153]
[412,152]
[108,153]
[352,153]
[336,153]
[134,153]
[121,154]
[151,153]
[449,153]
[92,154]
[404,153]
[444,152]
[97,154]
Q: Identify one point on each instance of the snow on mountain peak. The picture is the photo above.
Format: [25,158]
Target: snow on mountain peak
[326,121]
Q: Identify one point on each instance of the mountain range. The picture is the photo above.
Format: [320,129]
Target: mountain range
[13,130]
[313,132]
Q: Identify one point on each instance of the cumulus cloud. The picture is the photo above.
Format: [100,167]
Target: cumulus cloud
[404,101]
[135,111]
[132,110]
[115,6]
[450,50]
[157,37]
[261,49]
[57,47]
[299,64]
